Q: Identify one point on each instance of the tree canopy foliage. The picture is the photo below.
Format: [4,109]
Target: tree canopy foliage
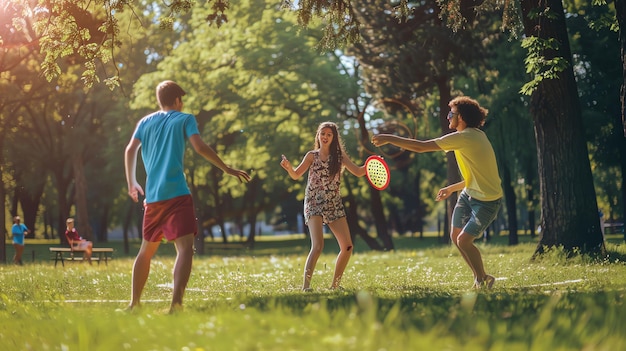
[259,84]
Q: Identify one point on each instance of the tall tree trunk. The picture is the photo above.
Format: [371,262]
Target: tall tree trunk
[379,219]
[375,200]
[251,210]
[568,201]
[511,205]
[128,222]
[252,216]
[3,219]
[198,241]
[30,200]
[620,7]
[80,193]
[220,201]
[220,223]
[46,224]
[530,199]
[420,211]
[102,234]
[62,183]
[249,201]
[452,167]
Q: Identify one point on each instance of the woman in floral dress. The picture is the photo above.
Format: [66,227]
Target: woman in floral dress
[322,199]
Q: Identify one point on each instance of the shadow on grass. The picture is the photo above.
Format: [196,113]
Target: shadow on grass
[456,313]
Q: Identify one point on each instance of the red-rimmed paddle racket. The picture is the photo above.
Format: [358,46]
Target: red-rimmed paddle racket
[377,172]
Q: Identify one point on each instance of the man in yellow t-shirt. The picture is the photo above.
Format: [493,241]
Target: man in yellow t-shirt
[481,191]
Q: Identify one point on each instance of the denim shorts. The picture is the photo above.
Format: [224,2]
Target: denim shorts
[474,216]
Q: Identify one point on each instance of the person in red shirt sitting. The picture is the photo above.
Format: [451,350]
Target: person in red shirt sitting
[76,241]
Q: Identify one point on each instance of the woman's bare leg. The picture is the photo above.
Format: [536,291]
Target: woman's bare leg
[342,233]
[316,230]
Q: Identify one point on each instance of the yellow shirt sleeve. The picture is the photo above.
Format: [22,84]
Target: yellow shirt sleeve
[477,162]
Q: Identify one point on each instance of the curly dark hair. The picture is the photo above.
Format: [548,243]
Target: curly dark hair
[336,148]
[473,114]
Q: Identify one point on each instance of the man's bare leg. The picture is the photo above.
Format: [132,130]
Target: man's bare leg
[182,269]
[454,236]
[474,258]
[19,250]
[141,270]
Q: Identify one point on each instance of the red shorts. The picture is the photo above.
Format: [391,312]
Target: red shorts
[171,218]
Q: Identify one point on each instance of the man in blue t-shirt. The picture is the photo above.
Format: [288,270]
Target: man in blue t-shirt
[169,210]
[19,231]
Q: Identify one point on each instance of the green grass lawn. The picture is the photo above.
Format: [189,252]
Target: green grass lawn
[418,297]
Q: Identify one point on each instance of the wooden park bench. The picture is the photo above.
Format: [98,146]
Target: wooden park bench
[613,227]
[69,254]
